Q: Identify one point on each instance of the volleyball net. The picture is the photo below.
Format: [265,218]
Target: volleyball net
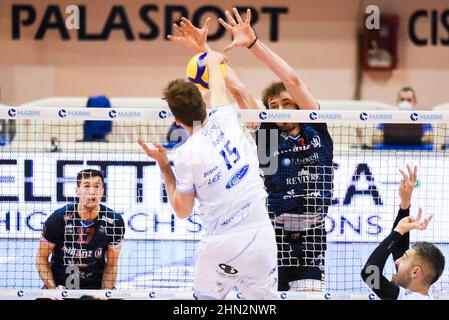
[41,156]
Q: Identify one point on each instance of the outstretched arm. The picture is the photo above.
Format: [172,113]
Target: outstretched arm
[111,267]
[406,187]
[397,242]
[239,91]
[217,85]
[181,203]
[372,272]
[42,264]
[190,36]
[196,39]
[244,36]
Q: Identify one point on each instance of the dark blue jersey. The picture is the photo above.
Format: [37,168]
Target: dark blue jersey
[303,181]
[82,243]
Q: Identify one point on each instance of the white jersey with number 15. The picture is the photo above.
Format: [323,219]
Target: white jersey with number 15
[217,162]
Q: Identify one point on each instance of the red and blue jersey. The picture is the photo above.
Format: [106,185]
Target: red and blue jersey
[303,181]
[82,243]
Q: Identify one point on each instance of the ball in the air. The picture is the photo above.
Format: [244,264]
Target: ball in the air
[197,72]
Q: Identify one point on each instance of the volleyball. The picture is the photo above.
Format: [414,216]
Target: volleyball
[197,72]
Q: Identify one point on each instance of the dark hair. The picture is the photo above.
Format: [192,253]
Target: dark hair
[185,102]
[274,89]
[433,257]
[88,173]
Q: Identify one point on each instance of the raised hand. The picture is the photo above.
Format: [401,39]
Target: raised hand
[243,34]
[410,223]
[407,185]
[159,154]
[190,36]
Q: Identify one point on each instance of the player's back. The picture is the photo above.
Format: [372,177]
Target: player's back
[218,163]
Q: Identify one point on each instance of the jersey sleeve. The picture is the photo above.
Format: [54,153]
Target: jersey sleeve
[321,128]
[183,172]
[116,232]
[325,137]
[372,272]
[53,228]
[404,243]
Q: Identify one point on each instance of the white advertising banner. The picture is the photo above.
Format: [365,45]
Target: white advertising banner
[366,200]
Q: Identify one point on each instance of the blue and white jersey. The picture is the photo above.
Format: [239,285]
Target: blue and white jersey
[218,163]
[82,243]
[303,180]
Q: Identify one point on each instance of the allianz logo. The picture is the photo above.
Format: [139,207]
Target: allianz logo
[375,116]
[324,116]
[274,116]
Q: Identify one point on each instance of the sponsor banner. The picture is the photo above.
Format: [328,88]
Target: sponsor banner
[302,116]
[365,200]
[381,116]
[32,186]
[67,114]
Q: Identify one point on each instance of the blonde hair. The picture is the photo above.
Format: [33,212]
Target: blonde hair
[404,89]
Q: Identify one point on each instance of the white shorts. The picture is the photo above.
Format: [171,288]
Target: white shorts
[246,259]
